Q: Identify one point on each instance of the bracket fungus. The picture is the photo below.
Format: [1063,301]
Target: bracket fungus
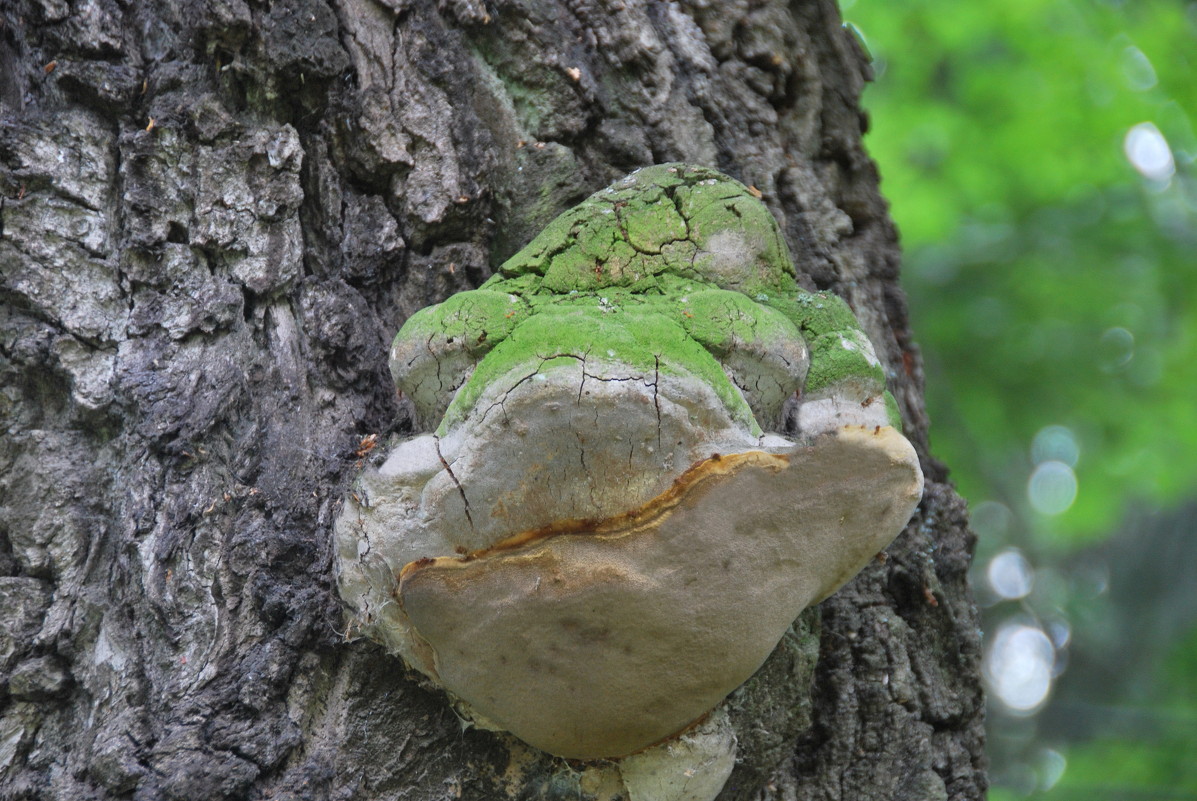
[645,452]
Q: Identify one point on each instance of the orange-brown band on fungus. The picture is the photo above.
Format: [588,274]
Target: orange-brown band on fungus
[714,466]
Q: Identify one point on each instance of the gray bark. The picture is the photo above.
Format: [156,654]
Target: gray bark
[216,214]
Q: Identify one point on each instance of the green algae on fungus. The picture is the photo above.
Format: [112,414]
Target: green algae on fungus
[598,331]
[643,451]
[673,219]
[667,243]
[440,346]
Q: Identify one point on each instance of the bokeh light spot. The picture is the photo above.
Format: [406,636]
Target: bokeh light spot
[1010,575]
[1116,348]
[1052,488]
[1056,443]
[1136,67]
[1019,667]
[1148,152]
[1060,632]
[1052,765]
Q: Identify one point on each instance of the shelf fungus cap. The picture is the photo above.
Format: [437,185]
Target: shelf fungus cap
[634,486]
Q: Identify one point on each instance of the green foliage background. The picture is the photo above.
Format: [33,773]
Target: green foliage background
[1052,285]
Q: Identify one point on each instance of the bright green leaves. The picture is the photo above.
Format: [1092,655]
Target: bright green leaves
[1050,279]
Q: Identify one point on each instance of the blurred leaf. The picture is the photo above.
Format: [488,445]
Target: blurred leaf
[1041,162]
[1050,282]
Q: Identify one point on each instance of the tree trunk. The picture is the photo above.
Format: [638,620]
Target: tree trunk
[216,215]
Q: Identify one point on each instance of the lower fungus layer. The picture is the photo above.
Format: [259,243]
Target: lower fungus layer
[596,640]
[602,642]
[601,541]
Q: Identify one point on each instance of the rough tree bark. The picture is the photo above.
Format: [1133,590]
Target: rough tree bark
[216,214]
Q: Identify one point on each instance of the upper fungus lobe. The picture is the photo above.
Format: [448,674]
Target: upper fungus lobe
[650,450]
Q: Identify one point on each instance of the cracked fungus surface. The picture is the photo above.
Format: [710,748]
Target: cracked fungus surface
[646,450]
